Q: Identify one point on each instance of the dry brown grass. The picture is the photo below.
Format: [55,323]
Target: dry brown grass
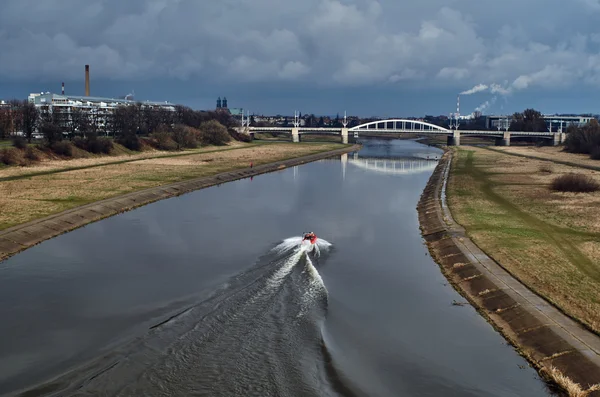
[573,389]
[548,240]
[86,159]
[551,153]
[25,199]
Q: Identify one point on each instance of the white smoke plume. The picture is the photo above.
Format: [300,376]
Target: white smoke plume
[493,88]
[476,89]
[498,89]
[481,108]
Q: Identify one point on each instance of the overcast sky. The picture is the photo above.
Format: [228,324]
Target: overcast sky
[386,57]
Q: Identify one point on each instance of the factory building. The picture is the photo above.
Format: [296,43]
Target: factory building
[99,109]
[552,121]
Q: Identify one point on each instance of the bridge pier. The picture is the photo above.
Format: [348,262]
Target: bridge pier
[454,139]
[504,141]
[557,138]
[296,135]
[344,135]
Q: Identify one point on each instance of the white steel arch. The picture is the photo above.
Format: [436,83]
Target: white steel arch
[400,125]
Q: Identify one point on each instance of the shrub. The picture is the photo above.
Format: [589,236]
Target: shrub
[31,154]
[130,141]
[162,140]
[99,145]
[545,168]
[239,136]
[62,148]
[11,156]
[19,142]
[93,144]
[80,143]
[214,133]
[186,137]
[576,183]
[191,138]
[595,154]
[583,139]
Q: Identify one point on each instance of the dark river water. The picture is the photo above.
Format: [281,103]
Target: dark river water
[208,294]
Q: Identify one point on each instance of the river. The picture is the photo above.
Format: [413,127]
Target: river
[207,294]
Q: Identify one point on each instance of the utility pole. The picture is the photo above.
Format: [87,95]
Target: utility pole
[296,119]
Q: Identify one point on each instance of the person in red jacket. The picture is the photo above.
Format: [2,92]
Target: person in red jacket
[310,237]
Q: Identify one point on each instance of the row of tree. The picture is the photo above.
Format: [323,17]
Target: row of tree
[121,122]
[584,139]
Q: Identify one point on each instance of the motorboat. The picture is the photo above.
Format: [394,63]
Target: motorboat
[309,239]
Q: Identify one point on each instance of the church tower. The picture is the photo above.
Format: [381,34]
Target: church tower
[219,103]
[225,102]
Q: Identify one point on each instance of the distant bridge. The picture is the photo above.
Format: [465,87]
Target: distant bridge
[399,126]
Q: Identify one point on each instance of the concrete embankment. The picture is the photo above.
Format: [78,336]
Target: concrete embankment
[21,237]
[555,344]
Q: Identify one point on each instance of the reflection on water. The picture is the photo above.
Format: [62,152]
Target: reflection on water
[186,296]
[420,162]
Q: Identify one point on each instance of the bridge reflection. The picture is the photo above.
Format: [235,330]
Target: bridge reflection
[387,165]
[393,166]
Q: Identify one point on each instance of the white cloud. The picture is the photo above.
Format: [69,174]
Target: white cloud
[451,73]
[349,42]
[293,70]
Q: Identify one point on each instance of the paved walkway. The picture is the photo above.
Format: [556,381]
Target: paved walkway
[579,337]
[21,237]
[542,332]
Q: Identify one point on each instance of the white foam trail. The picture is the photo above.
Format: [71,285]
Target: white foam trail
[314,273]
[316,288]
[275,281]
[292,243]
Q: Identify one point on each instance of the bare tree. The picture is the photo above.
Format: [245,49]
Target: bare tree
[80,122]
[51,132]
[5,122]
[30,119]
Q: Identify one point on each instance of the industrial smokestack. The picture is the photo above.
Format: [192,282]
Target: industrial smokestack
[63,88]
[87,80]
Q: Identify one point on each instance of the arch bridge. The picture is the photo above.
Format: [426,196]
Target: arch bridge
[399,126]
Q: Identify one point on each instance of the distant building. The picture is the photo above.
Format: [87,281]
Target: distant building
[554,121]
[222,104]
[223,107]
[96,107]
[236,112]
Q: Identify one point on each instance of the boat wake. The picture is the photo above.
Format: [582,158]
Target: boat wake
[293,244]
[259,335]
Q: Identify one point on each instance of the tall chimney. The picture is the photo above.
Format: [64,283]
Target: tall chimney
[63,88]
[87,80]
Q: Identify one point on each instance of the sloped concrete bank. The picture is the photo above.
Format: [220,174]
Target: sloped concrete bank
[553,343]
[21,237]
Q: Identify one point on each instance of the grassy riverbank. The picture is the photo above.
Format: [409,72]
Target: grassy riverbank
[548,240]
[28,193]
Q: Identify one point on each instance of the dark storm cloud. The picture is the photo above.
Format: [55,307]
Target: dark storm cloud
[510,45]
